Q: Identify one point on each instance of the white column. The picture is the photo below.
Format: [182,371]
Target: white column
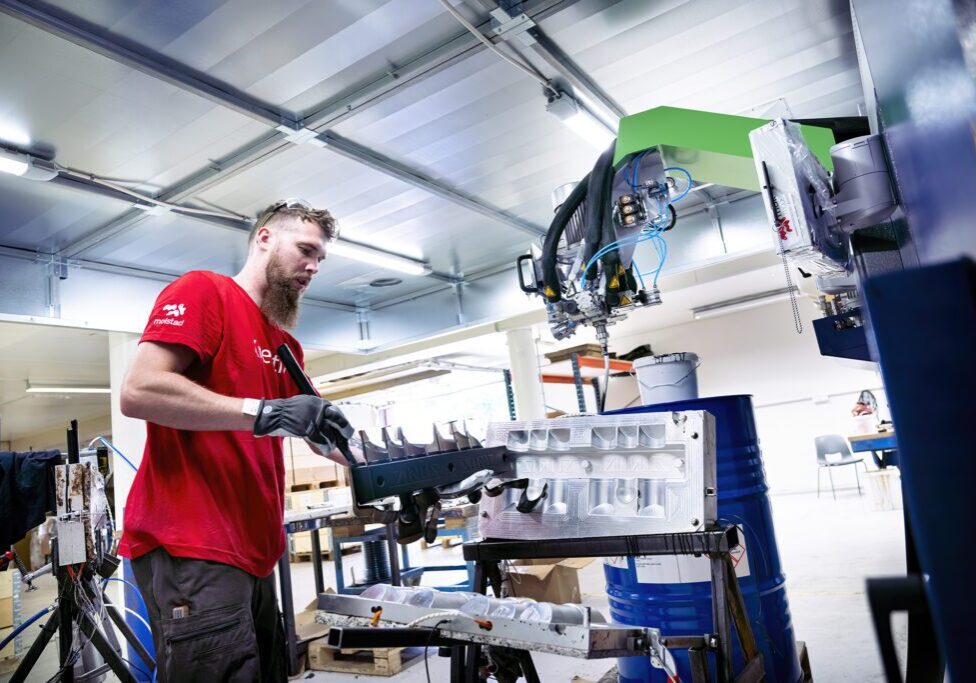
[128,434]
[526,383]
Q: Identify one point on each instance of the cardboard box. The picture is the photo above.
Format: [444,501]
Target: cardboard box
[305,625]
[303,500]
[6,612]
[312,475]
[344,531]
[309,460]
[470,523]
[301,543]
[300,448]
[304,466]
[460,511]
[548,580]
[7,582]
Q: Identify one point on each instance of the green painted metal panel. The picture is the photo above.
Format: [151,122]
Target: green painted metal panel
[714,148]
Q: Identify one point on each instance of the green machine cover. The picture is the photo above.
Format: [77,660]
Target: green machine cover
[714,148]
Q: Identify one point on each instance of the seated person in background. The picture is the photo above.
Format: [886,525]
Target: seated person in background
[867,404]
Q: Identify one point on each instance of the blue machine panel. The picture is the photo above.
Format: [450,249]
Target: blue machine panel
[924,324]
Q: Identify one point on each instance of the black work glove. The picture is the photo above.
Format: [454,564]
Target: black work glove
[303,416]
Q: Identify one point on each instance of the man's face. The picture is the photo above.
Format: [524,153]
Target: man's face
[296,248]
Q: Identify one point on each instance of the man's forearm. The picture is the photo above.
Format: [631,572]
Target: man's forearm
[172,400]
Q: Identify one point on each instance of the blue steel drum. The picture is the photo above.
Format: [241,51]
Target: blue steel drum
[133,601]
[685,608]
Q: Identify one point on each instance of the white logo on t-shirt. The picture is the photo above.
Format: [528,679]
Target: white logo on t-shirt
[268,358]
[175,310]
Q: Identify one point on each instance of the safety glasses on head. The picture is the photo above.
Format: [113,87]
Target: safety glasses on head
[292,203]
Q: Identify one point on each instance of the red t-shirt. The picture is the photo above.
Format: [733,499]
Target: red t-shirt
[214,495]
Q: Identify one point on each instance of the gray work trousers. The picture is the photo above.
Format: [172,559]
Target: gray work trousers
[226,625]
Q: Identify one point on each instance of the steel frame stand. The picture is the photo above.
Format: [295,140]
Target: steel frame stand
[578,383]
[728,606]
[509,394]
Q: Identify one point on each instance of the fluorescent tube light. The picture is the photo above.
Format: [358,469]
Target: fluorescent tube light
[35,389]
[13,163]
[743,303]
[580,121]
[376,257]
[26,166]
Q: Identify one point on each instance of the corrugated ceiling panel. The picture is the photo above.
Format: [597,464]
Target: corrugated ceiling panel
[177,244]
[371,207]
[480,126]
[45,217]
[101,117]
[295,54]
[711,54]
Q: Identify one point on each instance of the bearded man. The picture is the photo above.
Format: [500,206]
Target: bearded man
[203,520]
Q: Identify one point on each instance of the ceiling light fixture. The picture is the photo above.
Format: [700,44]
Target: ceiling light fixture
[743,303]
[43,389]
[580,121]
[375,257]
[26,166]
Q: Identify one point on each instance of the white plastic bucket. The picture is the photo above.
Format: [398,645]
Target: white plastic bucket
[666,378]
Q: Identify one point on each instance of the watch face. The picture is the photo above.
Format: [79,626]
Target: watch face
[251,406]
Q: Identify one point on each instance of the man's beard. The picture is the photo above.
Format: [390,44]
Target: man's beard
[281,299]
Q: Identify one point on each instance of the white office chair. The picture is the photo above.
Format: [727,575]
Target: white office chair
[833,444]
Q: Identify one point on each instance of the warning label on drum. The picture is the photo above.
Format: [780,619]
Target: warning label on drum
[681,568]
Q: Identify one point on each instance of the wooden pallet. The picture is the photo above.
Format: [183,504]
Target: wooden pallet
[311,486]
[379,662]
[326,553]
[446,542]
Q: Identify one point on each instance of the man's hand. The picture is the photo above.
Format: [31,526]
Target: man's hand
[305,417]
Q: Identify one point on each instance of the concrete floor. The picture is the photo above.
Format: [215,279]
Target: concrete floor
[828,548]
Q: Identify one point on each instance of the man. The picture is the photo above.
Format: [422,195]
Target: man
[203,521]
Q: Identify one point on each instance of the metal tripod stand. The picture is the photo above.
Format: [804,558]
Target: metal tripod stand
[81,601]
[69,616]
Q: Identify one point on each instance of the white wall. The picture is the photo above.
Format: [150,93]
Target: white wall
[798,394]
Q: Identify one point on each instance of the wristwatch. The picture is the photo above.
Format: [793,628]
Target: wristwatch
[252,406]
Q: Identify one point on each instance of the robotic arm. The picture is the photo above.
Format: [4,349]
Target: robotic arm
[584,267]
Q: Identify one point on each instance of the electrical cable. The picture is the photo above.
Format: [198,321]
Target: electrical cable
[635,239]
[133,613]
[535,75]
[434,615]
[639,274]
[550,245]
[92,178]
[687,189]
[117,451]
[17,631]
[640,237]
[598,221]
[429,639]
[137,668]
[653,233]
[636,167]
[130,585]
